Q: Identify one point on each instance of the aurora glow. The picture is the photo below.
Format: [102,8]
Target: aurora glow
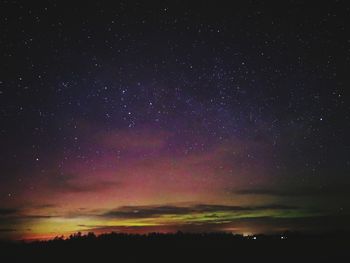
[165,117]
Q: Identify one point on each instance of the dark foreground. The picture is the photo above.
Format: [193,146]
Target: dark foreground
[181,248]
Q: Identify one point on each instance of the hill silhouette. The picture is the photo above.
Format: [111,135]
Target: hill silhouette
[180,247]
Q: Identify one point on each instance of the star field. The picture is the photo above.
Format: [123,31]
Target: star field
[171,115]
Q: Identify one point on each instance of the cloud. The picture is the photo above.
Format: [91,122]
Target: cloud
[7,211]
[169,228]
[72,184]
[7,230]
[40,206]
[19,215]
[36,216]
[86,187]
[263,224]
[210,208]
[305,191]
[157,211]
[154,212]
[146,211]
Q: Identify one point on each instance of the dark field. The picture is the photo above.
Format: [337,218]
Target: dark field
[181,248]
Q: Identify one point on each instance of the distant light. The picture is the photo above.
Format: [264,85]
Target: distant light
[254,238]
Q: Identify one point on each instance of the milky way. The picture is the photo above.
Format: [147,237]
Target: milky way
[139,117]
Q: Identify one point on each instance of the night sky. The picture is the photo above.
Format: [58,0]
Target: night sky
[160,116]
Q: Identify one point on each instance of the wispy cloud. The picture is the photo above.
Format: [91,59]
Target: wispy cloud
[157,211]
[8,229]
[73,184]
[7,211]
[304,191]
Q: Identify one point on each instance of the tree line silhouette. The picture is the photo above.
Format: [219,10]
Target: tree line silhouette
[179,247]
